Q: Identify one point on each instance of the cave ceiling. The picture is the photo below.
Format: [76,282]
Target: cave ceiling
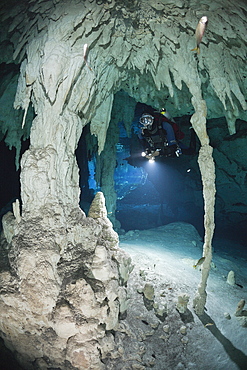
[75,55]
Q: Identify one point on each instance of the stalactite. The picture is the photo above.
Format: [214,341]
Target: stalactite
[100,122]
[106,161]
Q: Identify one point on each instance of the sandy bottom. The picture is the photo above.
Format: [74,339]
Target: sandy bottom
[155,334]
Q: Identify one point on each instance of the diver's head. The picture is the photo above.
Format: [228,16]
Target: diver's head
[146,120]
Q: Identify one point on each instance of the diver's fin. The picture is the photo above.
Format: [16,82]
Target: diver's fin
[197,49]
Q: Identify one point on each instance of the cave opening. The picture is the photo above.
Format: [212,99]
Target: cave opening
[146,194]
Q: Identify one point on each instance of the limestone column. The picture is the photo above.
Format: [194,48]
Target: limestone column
[207,169]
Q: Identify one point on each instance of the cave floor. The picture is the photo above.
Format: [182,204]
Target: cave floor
[164,257]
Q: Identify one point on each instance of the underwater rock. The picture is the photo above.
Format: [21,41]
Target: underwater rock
[243,321]
[148,296]
[240,307]
[166,328]
[231,278]
[182,303]
[148,292]
[160,311]
[227,315]
[183,329]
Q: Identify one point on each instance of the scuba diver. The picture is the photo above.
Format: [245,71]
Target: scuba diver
[160,135]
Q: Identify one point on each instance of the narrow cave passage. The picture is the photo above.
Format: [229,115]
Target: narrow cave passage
[147,194]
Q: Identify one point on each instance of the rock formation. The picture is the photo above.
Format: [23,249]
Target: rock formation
[72,58]
[63,288]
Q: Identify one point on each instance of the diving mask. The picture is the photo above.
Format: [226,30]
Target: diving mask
[146,119]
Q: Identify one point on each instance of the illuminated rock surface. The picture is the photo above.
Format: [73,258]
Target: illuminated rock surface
[62,288]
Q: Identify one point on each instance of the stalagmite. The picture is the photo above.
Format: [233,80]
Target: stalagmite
[231,278]
[16,211]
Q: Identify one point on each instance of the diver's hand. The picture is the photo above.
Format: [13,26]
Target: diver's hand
[153,153]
